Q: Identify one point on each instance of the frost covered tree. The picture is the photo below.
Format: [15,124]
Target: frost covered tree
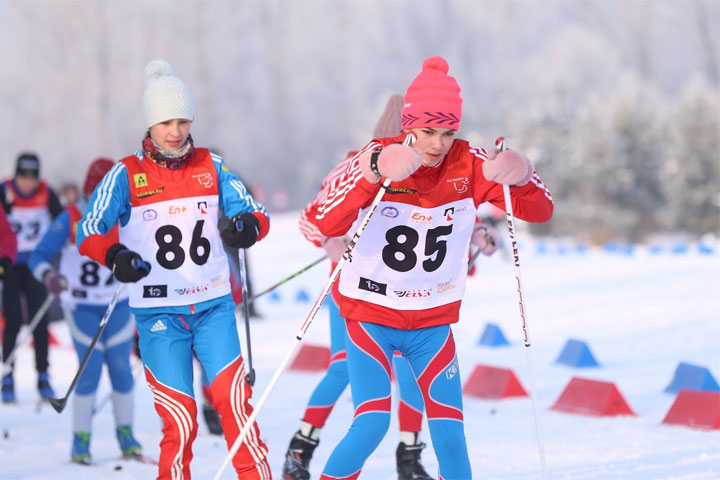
[691,175]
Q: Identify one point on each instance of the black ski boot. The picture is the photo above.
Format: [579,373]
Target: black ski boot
[297,458]
[212,420]
[408,462]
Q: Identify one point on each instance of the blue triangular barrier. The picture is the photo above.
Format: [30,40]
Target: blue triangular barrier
[275,297]
[302,296]
[680,249]
[706,250]
[492,336]
[692,377]
[576,353]
[623,249]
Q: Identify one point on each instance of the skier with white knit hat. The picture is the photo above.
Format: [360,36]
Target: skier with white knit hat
[167,197]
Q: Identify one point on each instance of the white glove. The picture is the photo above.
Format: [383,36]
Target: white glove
[396,162]
[507,167]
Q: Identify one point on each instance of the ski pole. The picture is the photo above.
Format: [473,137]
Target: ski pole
[250,377]
[500,146]
[30,329]
[306,324]
[287,279]
[59,403]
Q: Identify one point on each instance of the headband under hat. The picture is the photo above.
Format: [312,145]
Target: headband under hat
[433,98]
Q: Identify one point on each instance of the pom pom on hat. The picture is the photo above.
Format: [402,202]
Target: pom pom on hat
[98,168]
[433,98]
[166,97]
[389,123]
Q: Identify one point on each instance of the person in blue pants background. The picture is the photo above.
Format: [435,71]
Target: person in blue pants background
[86,289]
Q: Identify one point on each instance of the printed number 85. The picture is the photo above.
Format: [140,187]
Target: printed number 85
[405,248]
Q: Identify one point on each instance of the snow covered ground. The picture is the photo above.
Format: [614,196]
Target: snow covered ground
[640,314]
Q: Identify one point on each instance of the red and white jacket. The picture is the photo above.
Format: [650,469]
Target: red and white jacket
[409,266]
[8,242]
[308,221]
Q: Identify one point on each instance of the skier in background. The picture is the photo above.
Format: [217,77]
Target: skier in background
[86,289]
[31,205]
[405,283]
[166,197]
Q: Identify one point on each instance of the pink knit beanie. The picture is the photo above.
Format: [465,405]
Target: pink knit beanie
[433,98]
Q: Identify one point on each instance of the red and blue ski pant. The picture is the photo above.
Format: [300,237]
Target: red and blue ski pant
[167,343]
[431,355]
[336,378]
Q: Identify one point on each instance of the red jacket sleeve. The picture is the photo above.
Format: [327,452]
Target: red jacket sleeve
[8,241]
[308,217]
[96,246]
[348,194]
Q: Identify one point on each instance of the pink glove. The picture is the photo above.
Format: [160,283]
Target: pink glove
[334,247]
[54,282]
[508,167]
[396,162]
[485,239]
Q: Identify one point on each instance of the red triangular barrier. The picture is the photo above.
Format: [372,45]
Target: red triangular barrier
[695,408]
[493,382]
[592,397]
[52,339]
[311,358]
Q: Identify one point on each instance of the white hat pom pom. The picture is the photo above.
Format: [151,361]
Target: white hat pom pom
[158,68]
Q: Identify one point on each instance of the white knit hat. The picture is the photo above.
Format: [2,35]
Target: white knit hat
[166,97]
